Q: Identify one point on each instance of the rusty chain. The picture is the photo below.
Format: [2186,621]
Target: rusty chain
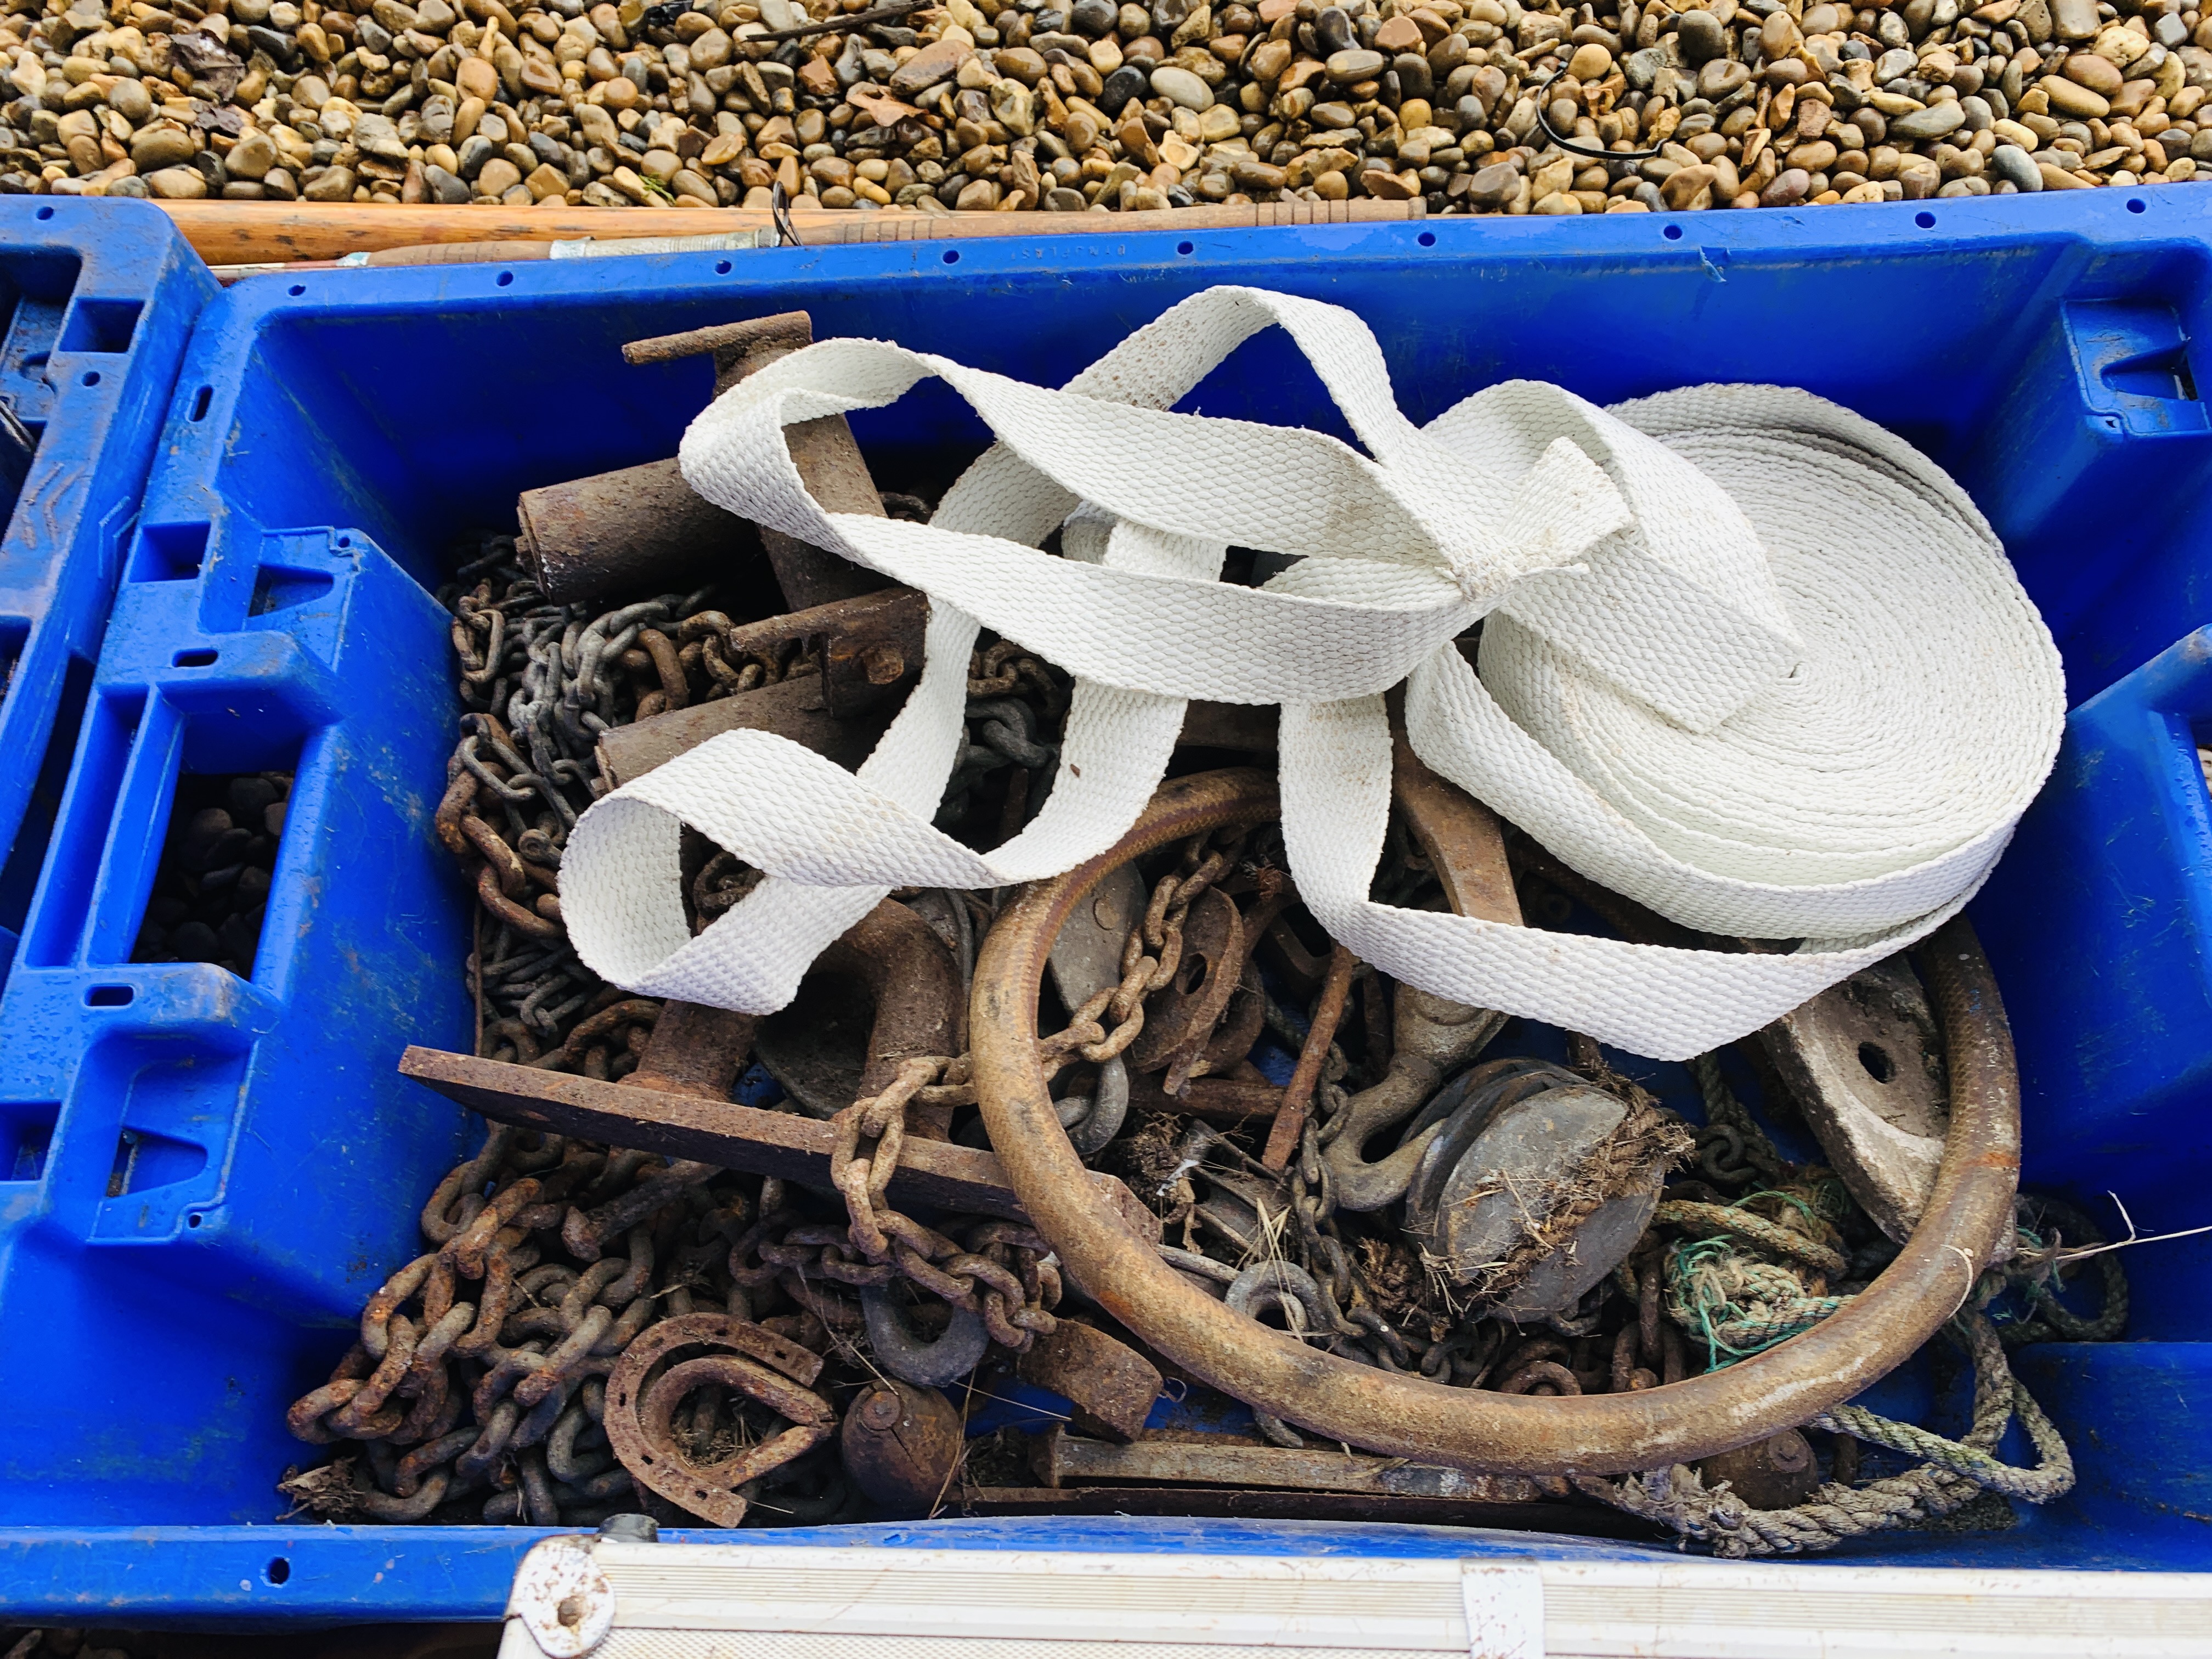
[505,1395]
[494,1397]
[1015,704]
[1013,1283]
[1014,1297]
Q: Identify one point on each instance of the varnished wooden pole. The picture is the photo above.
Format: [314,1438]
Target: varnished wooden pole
[275,233]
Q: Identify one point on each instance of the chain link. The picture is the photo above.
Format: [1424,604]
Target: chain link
[1011,1285]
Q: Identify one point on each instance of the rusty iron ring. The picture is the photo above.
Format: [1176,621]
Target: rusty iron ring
[1969,1211]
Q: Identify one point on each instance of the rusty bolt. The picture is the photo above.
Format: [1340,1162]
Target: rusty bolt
[883,665]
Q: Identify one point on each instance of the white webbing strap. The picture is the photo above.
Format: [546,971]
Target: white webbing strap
[1748,660]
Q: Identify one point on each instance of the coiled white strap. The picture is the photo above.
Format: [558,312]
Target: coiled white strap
[1748,658]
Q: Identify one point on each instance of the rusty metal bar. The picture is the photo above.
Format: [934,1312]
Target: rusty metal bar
[1461,836]
[1234,726]
[1216,1099]
[1268,1504]
[1298,1098]
[738,349]
[633,528]
[1058,1458]
[731,1137]
[1968,1212]
[696,1050]
[791,708]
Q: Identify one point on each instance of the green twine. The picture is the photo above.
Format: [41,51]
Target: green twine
[1737,1305]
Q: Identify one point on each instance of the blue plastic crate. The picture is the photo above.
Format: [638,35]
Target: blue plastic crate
[2100,920]
[97,300]
[333,433]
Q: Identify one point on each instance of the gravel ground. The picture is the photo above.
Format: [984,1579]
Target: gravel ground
[1476,105]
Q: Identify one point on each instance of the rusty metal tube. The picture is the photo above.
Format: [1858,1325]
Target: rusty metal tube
[914,985]
[641,527]
[1470,1429]
[645,525]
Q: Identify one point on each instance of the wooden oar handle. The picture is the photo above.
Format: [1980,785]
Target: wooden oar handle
[276,233]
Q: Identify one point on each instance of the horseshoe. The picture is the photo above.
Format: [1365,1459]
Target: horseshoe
[642,1398]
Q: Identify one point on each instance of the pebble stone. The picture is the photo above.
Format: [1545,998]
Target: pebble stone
[1181,87]
[1074,105]
[1935,122]
[1701,38]
[2015,165]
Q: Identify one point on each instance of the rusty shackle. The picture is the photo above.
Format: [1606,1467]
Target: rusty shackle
[1967,1213]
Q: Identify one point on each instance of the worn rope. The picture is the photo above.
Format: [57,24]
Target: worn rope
[1952,1474]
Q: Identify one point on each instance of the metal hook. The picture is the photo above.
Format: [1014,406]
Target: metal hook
[779,207]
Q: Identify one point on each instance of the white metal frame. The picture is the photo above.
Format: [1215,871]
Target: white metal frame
[581,1598]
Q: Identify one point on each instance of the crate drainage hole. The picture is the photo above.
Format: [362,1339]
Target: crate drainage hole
[199,658]
[953,256]
[506,279]
[109,996]
[92,377]
[2135,204]
[201,399]
[279,1568]
[1925,221]
[195,1219]
[214,874]
[1427,239]
[298,288]
[1674,232]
